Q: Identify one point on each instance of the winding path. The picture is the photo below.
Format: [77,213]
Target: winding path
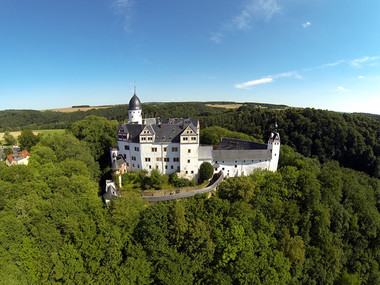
[186,194]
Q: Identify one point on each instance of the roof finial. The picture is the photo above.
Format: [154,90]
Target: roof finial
[134,88]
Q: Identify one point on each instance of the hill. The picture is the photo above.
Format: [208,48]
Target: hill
[351,139]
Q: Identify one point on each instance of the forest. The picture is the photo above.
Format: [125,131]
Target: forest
[314,221]
[351,139]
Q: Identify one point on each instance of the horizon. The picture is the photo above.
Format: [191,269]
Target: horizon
[297,53]
[57,109]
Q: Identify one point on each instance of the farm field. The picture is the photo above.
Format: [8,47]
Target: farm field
[70,109]
[226,106]
[45,132]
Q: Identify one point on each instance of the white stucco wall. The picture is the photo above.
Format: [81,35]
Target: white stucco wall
[238,168]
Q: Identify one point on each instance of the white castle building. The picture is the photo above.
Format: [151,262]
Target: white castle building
[172,145]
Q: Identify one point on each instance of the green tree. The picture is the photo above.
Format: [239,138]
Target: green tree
[8,150]
[205,171]
[9,139]
[155,179]
[28,139]
[99,133]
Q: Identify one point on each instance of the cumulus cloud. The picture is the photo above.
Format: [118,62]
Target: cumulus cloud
[342,88]
[253,10]
[361,76]
[306,25]
[247,84]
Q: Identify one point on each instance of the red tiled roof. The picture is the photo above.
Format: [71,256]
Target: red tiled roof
[18,155]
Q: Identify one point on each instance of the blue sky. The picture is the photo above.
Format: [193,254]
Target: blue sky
[302,53]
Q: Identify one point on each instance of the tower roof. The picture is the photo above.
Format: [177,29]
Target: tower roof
[134,103]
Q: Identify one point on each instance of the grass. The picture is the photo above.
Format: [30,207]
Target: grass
[44,132]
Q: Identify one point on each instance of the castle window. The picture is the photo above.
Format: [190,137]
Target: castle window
[158,158]
[165,148]
[126,147]
[171,167]
[150,166]
[189,150]
[167,159]
[143,138]
[192,171]
[185,138]
[138,166]
[193,138]
[154,149]
[133,165]
[188,161]
[137,148]
[176,159]
[133,158]
[166,167]
[235,166]
[149,138]
[147,159]
[174,148]
[187,172]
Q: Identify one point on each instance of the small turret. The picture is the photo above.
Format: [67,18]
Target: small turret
[135,110]
[274,144]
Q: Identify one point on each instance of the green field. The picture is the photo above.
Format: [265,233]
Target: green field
[44,132]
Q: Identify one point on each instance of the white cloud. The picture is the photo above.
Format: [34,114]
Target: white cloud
[358,62]
[252,11]
[288,74]
[124,8]
[296,74]
[306,25]
[267,79]
[247,84]
[330,64]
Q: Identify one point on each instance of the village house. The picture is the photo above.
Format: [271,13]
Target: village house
[18,158]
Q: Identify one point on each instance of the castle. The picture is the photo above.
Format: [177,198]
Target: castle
[172,145]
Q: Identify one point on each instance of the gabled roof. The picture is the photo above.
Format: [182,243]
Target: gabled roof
[118,163]
[165,130]
[18,156]
[111,192]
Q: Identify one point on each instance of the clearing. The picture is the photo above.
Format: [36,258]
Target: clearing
[70,109]
[45,132]
[226,106]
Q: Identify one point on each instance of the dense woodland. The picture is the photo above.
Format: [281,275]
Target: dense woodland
[311,222]
[351,139]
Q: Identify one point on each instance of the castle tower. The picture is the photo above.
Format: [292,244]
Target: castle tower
[135,110]
[274,144]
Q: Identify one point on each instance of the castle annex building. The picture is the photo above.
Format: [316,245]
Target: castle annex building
[172,145]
